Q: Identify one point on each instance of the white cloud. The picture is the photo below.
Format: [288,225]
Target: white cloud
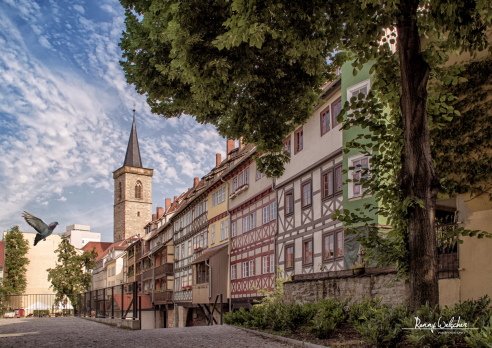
[79,8]
[44,42]
[63,199]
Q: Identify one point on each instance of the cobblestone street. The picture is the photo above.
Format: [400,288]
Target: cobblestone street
[78,333]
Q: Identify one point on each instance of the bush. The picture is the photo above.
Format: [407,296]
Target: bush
[481,337]
[297,315]
[383,326]
[361,309]
[331,313]
[40,313]
[470,312]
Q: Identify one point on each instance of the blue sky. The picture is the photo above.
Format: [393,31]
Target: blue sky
[66,113]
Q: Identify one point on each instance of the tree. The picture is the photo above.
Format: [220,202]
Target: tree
[16,248]
[253,68]
[69,277]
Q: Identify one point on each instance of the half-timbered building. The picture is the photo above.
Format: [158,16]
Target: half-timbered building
[310,190]
[253,209]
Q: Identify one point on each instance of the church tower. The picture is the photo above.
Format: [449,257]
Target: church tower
[132,192]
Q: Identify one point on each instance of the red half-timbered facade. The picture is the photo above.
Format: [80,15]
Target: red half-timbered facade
[253,217]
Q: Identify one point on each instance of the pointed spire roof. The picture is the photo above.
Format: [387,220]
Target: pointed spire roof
[132,157]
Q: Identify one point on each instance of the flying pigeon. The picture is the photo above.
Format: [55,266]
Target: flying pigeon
[40,226]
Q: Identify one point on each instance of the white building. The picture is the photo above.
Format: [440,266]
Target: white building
[80,235]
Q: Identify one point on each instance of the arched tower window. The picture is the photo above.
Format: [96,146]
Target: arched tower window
[138,190]
[120,190]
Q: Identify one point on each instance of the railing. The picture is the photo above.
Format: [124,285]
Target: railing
[138,255]
[39,305]
[147,274]
[163,296]
[447,249]
[185,295]
[166,268]
[118,301]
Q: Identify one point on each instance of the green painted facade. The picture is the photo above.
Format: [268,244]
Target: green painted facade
[349,80]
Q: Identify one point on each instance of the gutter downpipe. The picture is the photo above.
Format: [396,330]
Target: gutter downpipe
[276,231]
[230,246]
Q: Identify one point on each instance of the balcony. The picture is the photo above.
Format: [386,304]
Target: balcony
[138,277]
[147,274]
[130,279]
[138,255]
[185,295]
[163,270]
[163,296]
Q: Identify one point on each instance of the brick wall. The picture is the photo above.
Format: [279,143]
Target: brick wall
[343,284]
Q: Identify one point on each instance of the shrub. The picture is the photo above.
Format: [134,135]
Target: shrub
[296,315]
[39,313]
[470,312]
[383,326]
[361,309]
[481,337]
[331,313]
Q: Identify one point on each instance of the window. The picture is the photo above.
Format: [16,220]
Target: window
[138,190]
[218,196]
[245,269]
[212,235]
[308,252]
[233,272]
[354,91]
[336,108]
[273,211]
[240,179]
[360,170]
[298,140]
[271,263]
[246,224]
[234,185]
[246,176]
[138,213]
[289,256]
[258,174]
[227,229]
[340,243]
[328,184]
[121,190]
[328,246]
[306,194]
[266,214]
[325,120]
[189,248]
[222,231]
[252,221]
[266,264]
[234,229]
[289,203]
[251,268]
[287,145]
[338,179]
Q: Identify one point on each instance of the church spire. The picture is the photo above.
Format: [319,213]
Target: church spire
[132,157]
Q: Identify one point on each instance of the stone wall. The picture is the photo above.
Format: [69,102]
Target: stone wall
[343,284]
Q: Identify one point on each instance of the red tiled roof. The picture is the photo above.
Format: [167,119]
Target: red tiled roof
[2,252]
[121,245]
[100,247]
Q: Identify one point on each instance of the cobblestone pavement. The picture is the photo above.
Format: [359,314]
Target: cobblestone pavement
[78,333]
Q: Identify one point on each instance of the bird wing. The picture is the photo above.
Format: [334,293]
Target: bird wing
[36,223]
[38,238]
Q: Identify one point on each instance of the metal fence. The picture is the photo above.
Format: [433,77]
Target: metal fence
[116,302]
[38,305]
[447,249]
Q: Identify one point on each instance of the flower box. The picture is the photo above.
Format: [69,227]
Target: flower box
[198,249]
[176,260]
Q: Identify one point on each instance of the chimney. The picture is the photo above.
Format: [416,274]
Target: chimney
[175,198]
[154,217]
[217,159]
[168,203]
[231,144]
[196,181]
[160,212]
[241,143]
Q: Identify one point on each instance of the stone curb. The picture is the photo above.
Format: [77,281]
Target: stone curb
[281,338]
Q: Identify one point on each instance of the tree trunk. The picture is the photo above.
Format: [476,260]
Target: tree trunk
[417,177]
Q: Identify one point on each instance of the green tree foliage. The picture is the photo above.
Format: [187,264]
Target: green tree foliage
[253,69]
[70,276]
[16,248]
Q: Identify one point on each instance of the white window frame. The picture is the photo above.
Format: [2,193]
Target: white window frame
[212,235]
[245,269]
[221,231]
[252,221]
[350,89]
[273,211]
[266,214]
[234,229]
[233,272]
[246,224]
[271,263]
[251,268]
[265,265]
[227,228]
[351,184]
